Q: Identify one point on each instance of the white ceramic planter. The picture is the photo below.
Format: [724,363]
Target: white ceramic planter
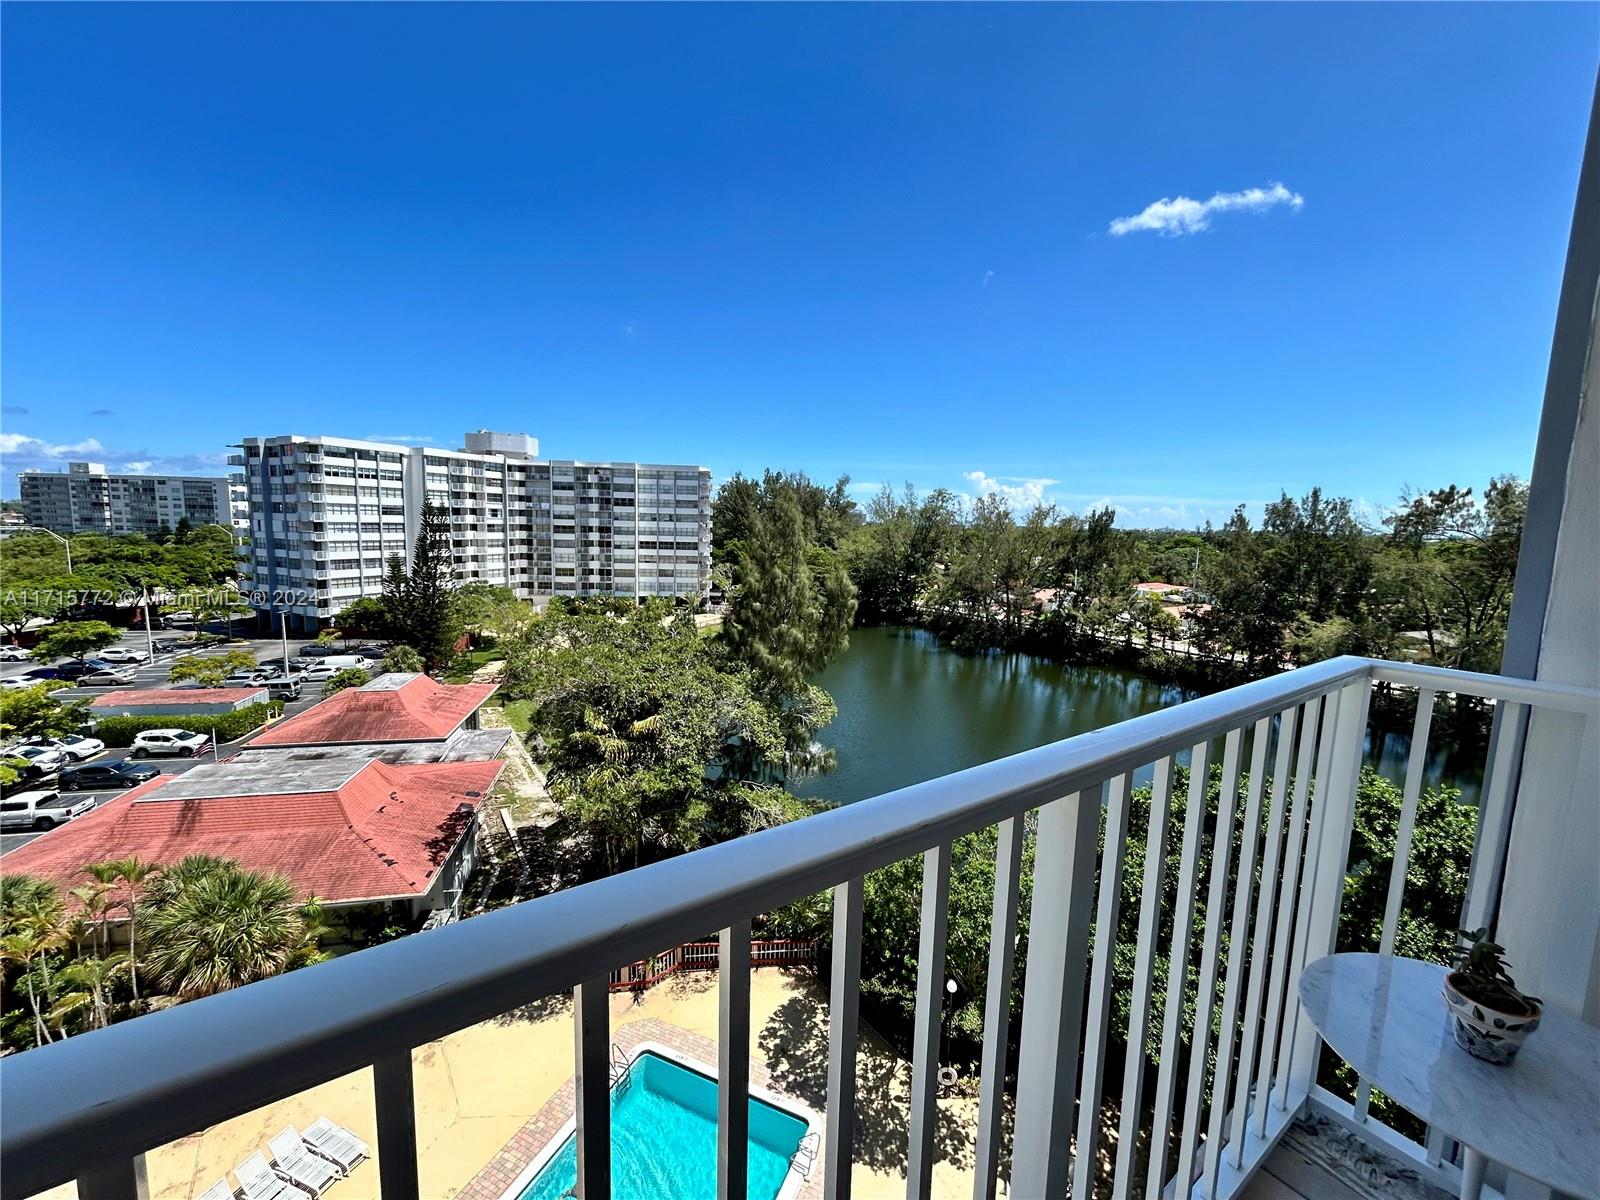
[1485,1032]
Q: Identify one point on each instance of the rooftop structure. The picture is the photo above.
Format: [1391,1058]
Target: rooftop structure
[175,701]
[394,707]
[345,830]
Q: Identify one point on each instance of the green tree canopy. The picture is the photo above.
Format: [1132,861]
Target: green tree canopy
[210,670]
[75,639]
[348,678]
[32,712]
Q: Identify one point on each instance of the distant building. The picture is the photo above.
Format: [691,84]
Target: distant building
[87,499]
[173,702]
[326,514]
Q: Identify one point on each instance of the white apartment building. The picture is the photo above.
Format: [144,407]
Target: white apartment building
[326,513]
[87,499]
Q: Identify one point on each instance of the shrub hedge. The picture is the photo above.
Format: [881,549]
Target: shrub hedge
[120,731]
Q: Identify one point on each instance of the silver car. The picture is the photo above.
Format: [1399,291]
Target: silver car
[41,810]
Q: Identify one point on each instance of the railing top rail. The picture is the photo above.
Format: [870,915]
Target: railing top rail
[119,1091]
[1490,687]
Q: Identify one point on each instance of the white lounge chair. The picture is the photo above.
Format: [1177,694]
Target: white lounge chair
[292,1159]
[217,1191]
[336,1144]
[258,1181]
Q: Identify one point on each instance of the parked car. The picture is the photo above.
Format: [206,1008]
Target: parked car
[12,682]
[372,651]
[109,677]
[111,773]
[317,650]
[13,654]
[169,646]
[284,689]
[182,742]
[337,662]
[123,654]
[240,679]
[175,619]
[71,669]
[40,810]
[76,746]
[41,760]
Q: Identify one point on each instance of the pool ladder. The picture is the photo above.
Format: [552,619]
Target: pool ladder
[620,1067]
[804,1159]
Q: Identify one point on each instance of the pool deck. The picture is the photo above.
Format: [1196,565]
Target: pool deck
[481,1088]
[508,1166]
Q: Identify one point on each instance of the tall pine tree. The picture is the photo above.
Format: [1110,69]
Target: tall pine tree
[428,606]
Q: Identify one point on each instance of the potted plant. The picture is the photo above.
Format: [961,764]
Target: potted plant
[1490,1017]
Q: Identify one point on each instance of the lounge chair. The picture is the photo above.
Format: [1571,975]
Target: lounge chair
[258,1181]
[336,1144]
[217,1191]
[293,1160]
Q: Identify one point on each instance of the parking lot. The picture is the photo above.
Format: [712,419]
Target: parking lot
[153,674]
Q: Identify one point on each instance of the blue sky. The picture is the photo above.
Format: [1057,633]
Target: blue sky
[874,240]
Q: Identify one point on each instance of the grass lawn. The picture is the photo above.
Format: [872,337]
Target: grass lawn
[466,663]
[519,715]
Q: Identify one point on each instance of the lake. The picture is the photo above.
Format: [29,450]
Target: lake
[911,709]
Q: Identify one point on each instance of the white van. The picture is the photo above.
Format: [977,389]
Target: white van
[319,669]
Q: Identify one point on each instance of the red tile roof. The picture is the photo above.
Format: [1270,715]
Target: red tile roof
[137,698]
[380,831]
[391,708]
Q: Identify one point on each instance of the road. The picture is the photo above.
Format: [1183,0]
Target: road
[154,675]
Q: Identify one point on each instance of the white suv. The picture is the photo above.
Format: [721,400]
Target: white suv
[182,742]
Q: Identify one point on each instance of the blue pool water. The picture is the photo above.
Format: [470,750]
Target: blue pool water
[664,1140]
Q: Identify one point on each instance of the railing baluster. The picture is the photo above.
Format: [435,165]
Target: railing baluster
[1494,817]
[1058,941]
[844,1015]
[1210,948]
[929,1022]
[997,1007]
[1105,942]
[1338,776]
[1150,893]
[733,1061]
[1288,721]
[1288,904]
[117,1179]
[1416,761]
[1177,967]
[1238,936]
[397,1127]
[591,1025]
[1301,903]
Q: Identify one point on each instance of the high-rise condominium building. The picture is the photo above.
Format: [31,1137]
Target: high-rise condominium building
[326,513]
[86,499]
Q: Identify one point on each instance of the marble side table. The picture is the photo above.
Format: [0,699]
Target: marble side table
[1539,1116]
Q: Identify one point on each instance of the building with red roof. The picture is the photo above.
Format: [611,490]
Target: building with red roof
[392,708]
[151,702]
[345,828]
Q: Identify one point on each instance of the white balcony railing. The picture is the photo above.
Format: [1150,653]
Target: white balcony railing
[89,1107]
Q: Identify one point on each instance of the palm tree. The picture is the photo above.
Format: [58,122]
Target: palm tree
[133,872]
[221,929]
[96,901]
[93,978]
[22,948]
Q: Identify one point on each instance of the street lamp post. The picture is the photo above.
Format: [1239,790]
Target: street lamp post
[66,543]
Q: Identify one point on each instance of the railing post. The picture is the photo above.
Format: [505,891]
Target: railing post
[1334,813]
[591,1023]
[997,1007]
[1058,943]
[843,1019]
[397,1127]
[929,1022]
[733,1062]
[120,1179]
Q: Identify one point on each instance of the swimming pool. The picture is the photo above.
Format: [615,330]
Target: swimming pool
[664,1140]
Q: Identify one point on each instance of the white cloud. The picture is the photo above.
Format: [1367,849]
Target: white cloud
[19,452]
[987,276]
[1180,215]
[1018,491]
[33,448]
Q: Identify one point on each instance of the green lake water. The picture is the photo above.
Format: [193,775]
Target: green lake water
[911,709]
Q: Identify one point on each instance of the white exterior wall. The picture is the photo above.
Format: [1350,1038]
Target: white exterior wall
[1550,905]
